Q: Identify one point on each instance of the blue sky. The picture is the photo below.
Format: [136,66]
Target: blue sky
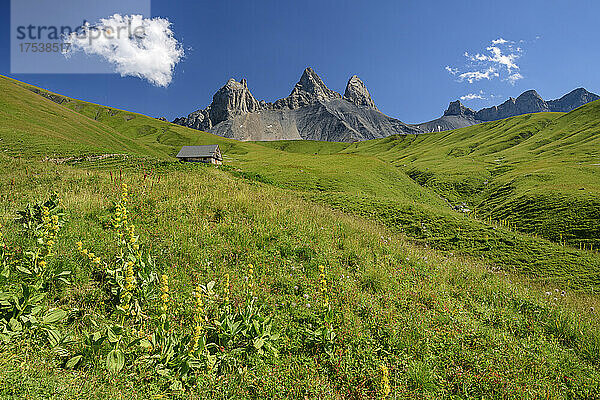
[400,49]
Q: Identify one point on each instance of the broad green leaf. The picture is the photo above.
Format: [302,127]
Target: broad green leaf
[23,270]
[146,344]
[258,343]
[54,316]
[37,298]
[73,361]
[113,337]
[53,337]
[115,360]
[36,310]
[97,338]
[61,351]
[14,325]
[176,385]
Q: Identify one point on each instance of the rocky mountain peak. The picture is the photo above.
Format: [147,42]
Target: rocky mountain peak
[311,82]
[232,99]
[572,100]
[530,100]
[457,108]
[309,89]
[530,94]
[356,92]
[313,111]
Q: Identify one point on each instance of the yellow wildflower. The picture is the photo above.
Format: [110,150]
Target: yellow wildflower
[323,282]
[164,288]
[129,276]
[250,278]
[199,315]
[384,384]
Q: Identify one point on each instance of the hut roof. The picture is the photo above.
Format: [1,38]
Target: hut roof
[209,150]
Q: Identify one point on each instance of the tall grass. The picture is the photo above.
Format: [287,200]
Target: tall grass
[443,326]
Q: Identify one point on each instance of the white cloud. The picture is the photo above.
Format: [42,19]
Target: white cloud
[136,46]
[472,96]
[500,61]
[473,76]
[499,41]
[451,70]
[508,60]
[514,77]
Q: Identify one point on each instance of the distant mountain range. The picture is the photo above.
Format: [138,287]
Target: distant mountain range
[312,111]
[459,116]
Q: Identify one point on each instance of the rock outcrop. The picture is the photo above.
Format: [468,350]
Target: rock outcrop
[528,102]
[457,108]
[312,111]
[459,116]
[456,116]
[357,93]
[231,100]
[309,90]
[572,100]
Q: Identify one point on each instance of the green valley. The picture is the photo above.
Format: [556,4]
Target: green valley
[458,264]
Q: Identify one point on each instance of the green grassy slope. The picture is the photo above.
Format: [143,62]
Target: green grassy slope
[446,327]
[306,146]
[426,290]
[362,179]
[37,122]
[540,172]
[32,125]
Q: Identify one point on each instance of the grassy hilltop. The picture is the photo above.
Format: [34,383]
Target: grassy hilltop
[499,303]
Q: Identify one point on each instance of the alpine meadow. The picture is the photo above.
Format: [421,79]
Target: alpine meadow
[427,265]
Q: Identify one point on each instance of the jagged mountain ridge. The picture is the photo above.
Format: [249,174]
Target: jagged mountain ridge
[312,111]
[459,116]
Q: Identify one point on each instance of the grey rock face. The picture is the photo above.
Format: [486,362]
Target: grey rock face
[308,90]
[311,111]
[572,100]
[457,108]
[356,92]
[231,100]
[459,116]
[528,102]
[447,123]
